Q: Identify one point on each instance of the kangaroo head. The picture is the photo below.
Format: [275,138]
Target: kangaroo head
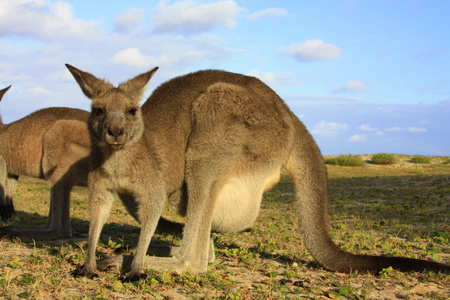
[116,119]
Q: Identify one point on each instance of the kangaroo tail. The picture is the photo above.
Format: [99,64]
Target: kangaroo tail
[308,172]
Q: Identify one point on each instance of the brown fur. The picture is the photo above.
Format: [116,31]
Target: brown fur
[51,144]
[210,143]
[46,144]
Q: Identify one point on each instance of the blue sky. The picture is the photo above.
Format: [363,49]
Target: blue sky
[365,76]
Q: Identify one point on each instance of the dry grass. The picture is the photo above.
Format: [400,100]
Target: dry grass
[399,209]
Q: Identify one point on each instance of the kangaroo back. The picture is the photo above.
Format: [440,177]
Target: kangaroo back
[201,98]
[22,139]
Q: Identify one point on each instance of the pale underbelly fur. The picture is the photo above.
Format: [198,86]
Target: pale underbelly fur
[239,200]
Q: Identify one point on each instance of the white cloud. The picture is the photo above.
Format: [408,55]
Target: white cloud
[179,57]
[39,90]
[133,57]
[406,136]
[14,78]
[416,129]
[329,128]
[128,19]
[60,76]
[42,19]
[268,77]
[406,129]
[312,50]
[320,100]
[352,86]
[270,12]
[276,80]
[367,127]
[194,16]
[357,138]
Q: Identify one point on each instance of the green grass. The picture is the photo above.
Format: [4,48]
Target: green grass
[345,160]
[420,159]
[384,159]
[378,209]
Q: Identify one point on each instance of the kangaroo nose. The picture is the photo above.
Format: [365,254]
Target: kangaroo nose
[115,132]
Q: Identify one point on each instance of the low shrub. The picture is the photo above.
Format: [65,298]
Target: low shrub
[420,159]
[345,160]
[384,159]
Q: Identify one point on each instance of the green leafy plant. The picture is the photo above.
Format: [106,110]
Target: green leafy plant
[387,272]
[345,160]
[384,159]
[420,159]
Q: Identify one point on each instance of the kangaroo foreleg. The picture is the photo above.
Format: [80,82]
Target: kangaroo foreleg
[100,207]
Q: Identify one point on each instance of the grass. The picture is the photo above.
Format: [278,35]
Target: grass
[384,159]
[345,160]
[420,159]
[376,209]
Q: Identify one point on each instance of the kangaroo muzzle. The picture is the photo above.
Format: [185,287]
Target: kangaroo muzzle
[114,133]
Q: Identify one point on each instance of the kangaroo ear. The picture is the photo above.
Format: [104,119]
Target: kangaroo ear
[136,86]
[2,92]
[89,84]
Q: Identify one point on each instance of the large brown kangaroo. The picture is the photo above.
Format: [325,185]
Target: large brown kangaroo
[210,143]
[51,144]
[45,144]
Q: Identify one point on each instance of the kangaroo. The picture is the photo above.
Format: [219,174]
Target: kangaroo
[51,144]
[46,145]
[210,143]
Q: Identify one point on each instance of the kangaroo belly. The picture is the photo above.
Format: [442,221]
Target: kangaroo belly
[239,201]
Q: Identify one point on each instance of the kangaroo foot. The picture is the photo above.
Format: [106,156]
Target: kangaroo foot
[32,232]
[82,271]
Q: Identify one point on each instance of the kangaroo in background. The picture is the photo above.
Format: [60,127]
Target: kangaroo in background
[45,144]
[51,144]
[209,143]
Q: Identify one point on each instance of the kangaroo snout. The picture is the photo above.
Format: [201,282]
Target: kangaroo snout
[115,131]
[115,135]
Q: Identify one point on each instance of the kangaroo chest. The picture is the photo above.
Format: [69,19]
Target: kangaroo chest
[122,173]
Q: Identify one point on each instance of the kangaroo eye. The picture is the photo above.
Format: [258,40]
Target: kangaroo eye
[132,111]
[96,111]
